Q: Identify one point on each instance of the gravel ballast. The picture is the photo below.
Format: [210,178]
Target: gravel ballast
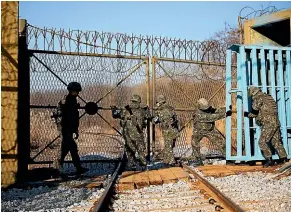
[63,197]
[256,191]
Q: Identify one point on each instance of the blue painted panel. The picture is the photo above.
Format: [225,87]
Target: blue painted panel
[268,73]
[281,99]
[288,98]
[245,101]
[239,104]
[228,103]
[255,82]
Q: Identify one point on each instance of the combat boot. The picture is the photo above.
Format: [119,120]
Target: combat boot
[197,162]
[269,162]
[282,160]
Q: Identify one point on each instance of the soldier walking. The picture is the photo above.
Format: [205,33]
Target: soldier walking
[204,126]
[68,124]
[167,118]
[264,109]
[133,122]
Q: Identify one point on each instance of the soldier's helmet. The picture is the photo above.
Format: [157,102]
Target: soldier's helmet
[161,99]
[74,86]
[252,91]
[203,104]
[136,98]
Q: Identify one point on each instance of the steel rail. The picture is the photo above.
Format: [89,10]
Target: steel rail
[224,200]
[104,200]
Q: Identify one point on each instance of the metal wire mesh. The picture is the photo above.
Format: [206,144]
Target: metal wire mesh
[183,84]
[97,138]
[111,67]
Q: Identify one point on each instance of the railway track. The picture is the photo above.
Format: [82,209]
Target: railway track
[196,194]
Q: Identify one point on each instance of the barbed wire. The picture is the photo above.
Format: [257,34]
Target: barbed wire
[93,42]
[257,13]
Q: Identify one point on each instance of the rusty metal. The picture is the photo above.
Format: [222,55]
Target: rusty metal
[153,141]
[31,51]
[226,202]
[192,62]
[104,200]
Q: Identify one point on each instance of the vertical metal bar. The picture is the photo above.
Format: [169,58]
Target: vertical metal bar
[228,103]
[272,74]
[255,81]
[281,100]
[239,105]
[288,97]
[23,122]
[148,103]
[148,80]
[154,101]
[245,101]
[263,71]
[249,81]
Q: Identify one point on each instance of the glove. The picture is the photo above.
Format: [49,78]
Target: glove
[77,135]
[228,113]
[246,114]
[156,120]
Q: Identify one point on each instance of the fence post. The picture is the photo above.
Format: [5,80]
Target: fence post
[153,103]
[23,103]
[148,103]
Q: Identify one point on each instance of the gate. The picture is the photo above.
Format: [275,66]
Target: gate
[111,67]
[184,72]
[107,78]
[268,68]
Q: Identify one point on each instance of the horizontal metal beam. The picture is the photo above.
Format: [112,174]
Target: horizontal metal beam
[191,61]
[31,51]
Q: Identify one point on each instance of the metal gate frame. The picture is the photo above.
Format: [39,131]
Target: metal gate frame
[148,48]
[145,61]
[252,70]
[156,61]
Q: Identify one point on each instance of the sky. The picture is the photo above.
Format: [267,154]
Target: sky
[184,20]
[181,20]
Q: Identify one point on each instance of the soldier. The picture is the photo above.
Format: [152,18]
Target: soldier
[204,126]
[264,109]
[133,122]
[167,118]
[68,124]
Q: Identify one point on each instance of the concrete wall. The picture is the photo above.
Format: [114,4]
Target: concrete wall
[9,91]
[251,36]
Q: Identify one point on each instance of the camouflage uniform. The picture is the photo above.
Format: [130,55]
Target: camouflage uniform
[166,116]
[68,124]
[133,122]
[204,126]
[264,109]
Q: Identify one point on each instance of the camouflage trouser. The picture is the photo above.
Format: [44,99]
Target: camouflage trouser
[167,153]
[271,133]
[214,136]
[68,144]
[132,147]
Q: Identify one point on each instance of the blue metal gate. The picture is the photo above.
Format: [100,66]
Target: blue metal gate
[268,68]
